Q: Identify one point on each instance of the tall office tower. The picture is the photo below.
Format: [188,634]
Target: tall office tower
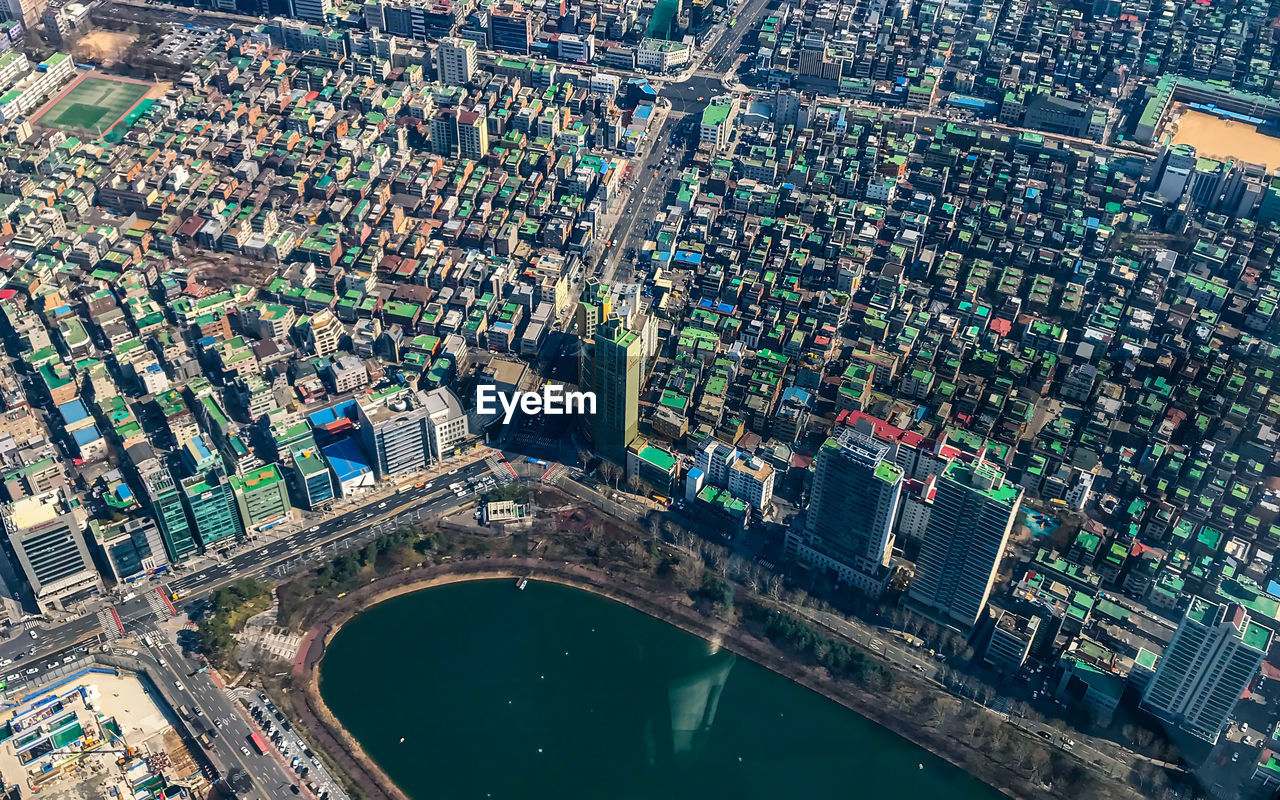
[446,422]
[49,543]
[612,366]
[973,512]
[171,516]
[25,11]
[509,27]
[212,505]
[395,436]
[1214,654]
[312,474]
[849,524]
[412,432]
[455,60]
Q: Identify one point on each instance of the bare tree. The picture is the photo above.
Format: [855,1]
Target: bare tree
[941,708]
[898,617]
[671,530]
[1039,759]
[689,572]
[584,458]
[774,587]
[611,472]
[915,623]
[653,526]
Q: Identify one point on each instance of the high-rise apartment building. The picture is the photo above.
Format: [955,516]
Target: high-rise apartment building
[612,366]
[1215,653]
[325,333]
[455,60]
[473,135]
[849,524]
[974,508]
[49,542]
[444,132]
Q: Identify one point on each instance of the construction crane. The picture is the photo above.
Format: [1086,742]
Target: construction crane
[129,752]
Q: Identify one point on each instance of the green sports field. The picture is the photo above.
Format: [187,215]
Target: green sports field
[93,105]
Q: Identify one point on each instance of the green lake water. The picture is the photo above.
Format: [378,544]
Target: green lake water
[552,692]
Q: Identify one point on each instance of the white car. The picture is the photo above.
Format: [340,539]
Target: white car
[244,750]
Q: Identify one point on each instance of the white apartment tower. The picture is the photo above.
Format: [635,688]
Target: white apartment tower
[1214,655]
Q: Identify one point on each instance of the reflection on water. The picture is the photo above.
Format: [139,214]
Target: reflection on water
[691,702]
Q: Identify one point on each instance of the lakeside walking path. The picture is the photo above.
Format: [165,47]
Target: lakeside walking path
[347,753]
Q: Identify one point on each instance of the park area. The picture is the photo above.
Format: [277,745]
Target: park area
[92,104]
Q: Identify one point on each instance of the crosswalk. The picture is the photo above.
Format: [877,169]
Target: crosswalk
[157,605]
[554,474]
[108,623]
[501,472]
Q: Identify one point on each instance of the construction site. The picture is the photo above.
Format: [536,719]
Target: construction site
[100,732]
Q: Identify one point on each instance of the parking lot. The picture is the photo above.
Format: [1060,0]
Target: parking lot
[304,763]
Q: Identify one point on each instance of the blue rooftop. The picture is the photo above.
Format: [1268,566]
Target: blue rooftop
[87,435]
[798,394]
[346,460]
[72,411]
[333,413]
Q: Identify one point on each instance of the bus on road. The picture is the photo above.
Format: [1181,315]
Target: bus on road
[258,743]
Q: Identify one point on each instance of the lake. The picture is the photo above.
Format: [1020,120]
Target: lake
[553,692]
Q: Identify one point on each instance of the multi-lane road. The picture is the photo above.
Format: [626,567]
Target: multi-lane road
[686,99]
[209,707]
[270,560]
[27,660]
